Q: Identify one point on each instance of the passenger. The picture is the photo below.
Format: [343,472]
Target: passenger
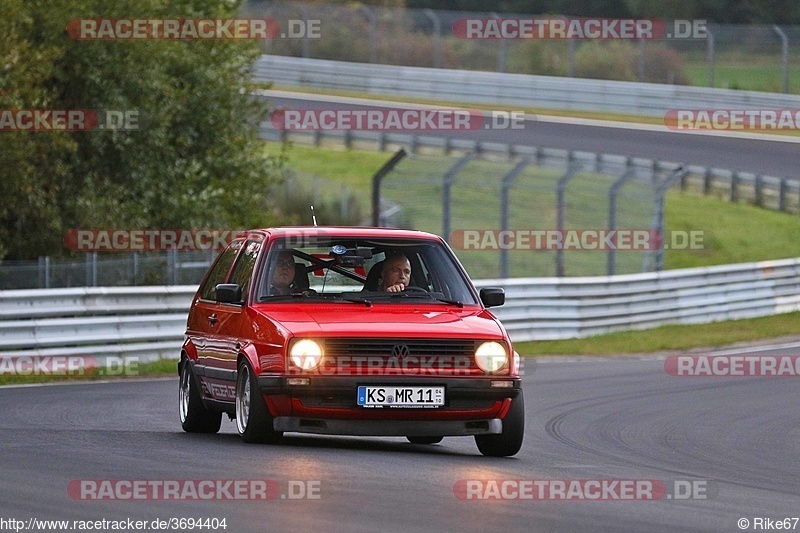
[283,275]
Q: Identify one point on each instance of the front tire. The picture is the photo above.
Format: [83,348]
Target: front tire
[253,420]
[509,441]
[195,418]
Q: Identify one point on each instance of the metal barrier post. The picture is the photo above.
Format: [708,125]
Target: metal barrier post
[658,218]
[373,37]
[447,184]
[612,212]
[376,185]
[784,58]
[710,57]
[572,169]
[437,40]
[506,183]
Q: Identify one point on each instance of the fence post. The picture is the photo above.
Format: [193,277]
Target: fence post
[572,169]
[91,269]
[506,183]
[782,195]
[642,56]
[376,185]
[437,40]
[784,58]
[734,185]
[447,184]
[710,57]
[306,42]
[759,186]
[612,212]
[707,181]
[571,58]
[373,37]
[44,272]
[658,217]
[502,46]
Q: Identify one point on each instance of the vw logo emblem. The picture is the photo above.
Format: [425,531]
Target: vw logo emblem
[400,350]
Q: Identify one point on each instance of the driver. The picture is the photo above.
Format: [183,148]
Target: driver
[396,273]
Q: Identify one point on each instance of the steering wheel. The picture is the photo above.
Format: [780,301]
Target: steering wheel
[411,288]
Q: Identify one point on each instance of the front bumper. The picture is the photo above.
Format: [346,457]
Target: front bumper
[389,428]
[456,389]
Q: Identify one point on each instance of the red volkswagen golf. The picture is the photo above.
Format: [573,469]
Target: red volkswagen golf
[349,331]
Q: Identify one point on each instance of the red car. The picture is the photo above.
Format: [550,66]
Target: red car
[349,331]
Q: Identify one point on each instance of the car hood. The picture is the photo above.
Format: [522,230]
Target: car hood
[356,320]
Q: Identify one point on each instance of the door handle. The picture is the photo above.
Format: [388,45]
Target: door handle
[212,319]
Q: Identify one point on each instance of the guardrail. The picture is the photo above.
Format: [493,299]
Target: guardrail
[145,322]
[503,89]
[149,322]
[560,308]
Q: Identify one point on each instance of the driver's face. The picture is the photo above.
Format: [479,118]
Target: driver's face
[396,270]
[284,271]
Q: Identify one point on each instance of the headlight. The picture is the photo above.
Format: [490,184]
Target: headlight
[306,354]
[491,356]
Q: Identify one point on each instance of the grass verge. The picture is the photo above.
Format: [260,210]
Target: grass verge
[669,338]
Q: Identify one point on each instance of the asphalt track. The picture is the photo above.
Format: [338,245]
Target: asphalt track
[745,152]
[598,419]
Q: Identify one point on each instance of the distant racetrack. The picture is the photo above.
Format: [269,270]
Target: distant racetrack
[744,153]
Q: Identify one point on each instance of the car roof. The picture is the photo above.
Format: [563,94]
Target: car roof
[359,232]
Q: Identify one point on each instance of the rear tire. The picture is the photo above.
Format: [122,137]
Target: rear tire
[424,440]
[509,441]
[253,420]
[195,418]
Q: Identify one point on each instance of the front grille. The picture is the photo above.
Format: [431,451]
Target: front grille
[418,357]
[417,347]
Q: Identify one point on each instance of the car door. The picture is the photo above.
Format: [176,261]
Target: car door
[203,321]
[223,347]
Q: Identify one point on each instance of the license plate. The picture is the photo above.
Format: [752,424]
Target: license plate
[400,396]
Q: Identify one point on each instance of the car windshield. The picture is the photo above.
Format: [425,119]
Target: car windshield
[362,270]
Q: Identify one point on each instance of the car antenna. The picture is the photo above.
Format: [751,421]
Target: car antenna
[313,216]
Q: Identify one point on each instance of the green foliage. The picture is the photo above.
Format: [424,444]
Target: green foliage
[613,60]
[195,161]
[664,65]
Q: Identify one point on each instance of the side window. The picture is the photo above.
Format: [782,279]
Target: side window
[244,266]
[219,270]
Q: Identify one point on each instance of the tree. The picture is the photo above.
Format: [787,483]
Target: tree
[196,160]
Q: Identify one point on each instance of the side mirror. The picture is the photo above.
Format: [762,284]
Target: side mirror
[229,293]
[493,296]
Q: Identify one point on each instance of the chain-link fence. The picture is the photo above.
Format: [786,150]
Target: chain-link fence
[516,217]
[753,57]
[107,270]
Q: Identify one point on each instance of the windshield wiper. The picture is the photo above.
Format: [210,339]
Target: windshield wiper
[357,299]
[427,295]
